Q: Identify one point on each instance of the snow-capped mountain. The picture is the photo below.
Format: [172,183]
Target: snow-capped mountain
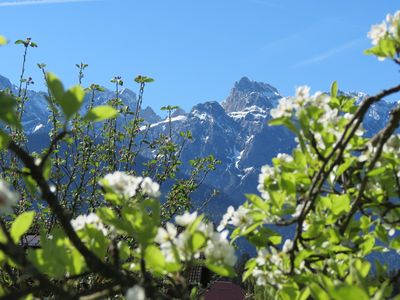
[234,131]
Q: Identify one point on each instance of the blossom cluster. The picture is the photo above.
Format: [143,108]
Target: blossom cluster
[239,218]
[387,28]
[127,185]
[271,265]
[175,241]
[292,106]
[287,106]
[82,221]
[320,113]
[267,174]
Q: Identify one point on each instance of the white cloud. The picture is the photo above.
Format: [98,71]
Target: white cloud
[327,54]
[38,2]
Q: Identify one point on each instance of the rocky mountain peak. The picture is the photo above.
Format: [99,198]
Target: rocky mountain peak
[247,85]
[149,115]
[210,107]
[179,112]
[247,93]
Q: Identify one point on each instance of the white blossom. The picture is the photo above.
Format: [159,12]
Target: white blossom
[330,116]
[207,229]
[306,225]
[38,161]
[393,22]
[325,244]
[182,245]
[284,109]
[241,217]
[366,155]
[303,92]
[167,249]
[186,219]
[377,32]
[122,183]
[287,246]
[262,277]
[166,235]
[150,187]
[261,254]
[226,218]
[219,249]
[91,219]
[8,198]
[135,293]
[267,172]
[319,140]
[388,28]
[284,157]
[299,209]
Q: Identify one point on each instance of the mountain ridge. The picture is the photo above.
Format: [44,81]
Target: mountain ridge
[235,130]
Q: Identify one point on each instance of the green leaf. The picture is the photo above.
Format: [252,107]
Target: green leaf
[305,294]
[249,267]
[154,258]
[193,293]
[276,122]
[367,245]
[55,85]
[376,171]
[318,293]
[143,79]
[347,292]
[340,204]
[4,140]
[47,168]
[288,183]
[289,292]
[108,216]
[343,167]
[264,236]
[72,100]
[385,48]
[197,240]
[57,256]
[283,121]
[224,271]
[8,110]
[100,113]
[334,89]
[257,201]
[21,225]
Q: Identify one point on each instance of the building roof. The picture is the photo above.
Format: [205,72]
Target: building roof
[224,290]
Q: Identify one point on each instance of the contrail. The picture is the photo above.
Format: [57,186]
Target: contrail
[38,2]
[328,54]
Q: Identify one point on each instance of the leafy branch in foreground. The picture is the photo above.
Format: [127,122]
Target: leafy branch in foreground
[81,255]
[338,190]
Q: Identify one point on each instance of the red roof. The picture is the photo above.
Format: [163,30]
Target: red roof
[224,290]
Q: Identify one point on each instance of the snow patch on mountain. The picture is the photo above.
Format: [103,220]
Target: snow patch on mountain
[165,122]
[255,112]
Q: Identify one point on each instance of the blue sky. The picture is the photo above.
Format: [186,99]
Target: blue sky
[196,50]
